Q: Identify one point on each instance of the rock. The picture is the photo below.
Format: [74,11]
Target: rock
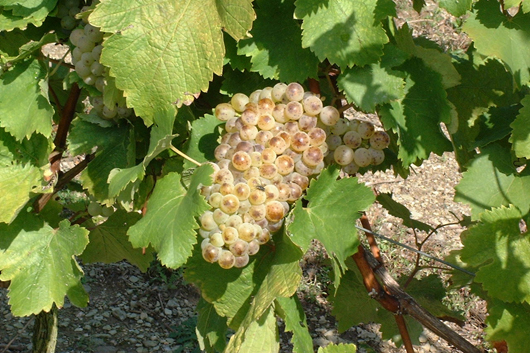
[107,328]
[105,349]
[172,303]
[168,312]
[119,314]
[133,279]
[150,343]
[112,332]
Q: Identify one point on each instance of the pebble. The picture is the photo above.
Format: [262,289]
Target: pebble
[168,312]
[133,279]
[150,343]
[119,314]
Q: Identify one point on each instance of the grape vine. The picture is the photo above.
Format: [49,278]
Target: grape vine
[215,133]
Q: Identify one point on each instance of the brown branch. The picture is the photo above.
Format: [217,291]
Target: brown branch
[55,157]
[314,86]
[409,306]
[371,239]
[402,326]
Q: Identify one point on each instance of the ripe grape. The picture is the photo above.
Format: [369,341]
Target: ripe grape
[242,191]
[265,105]
[257,196]
[266,122]
[285,164]
[343,155]
[378,156]
[215,199]
[239,247]
[247,232]
[241,261]
[279,113]
[238,101]
[294,92]
[352,139]
[253,247]
[293,110]
[241,161]
[230,235]
[329,115]
[268,171]
[278,91]
[263,137]
[363,157]
[379,140]
[340,127]
[317,136]
[207,221]
[312,157]
[216,239]
[300,141]
[307,122]
[312,105]
[224,111]
[366,129]
[210,253]
[226,259]
[229,204]
[274,211]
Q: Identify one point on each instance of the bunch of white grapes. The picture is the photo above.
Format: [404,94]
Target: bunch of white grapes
[276,139]
[85,57]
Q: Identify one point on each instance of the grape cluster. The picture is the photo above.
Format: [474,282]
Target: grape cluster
[67,12]
[85,57]
[276,139]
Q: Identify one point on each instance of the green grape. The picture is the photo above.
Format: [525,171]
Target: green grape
[278,145]
[68,22]
[107,211]
[87,58]
[234,221]
[219,216]
[279,113]
[215,199]
[351,168]
[266,93]
[93,33]
[221,151]
[96,68]
[207,221]
[76,35]
[85,44]
[94,209]
[254,96]
[90,80]
[82,69]
[340,127]
[109,113]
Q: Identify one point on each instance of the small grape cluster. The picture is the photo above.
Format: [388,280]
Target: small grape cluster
[275,140]
[85,57]
[67,12]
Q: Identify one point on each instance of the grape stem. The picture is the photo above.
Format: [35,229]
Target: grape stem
[184,155]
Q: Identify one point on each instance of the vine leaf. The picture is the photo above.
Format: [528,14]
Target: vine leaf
[456,8]
[22,117]
[371,85]
[281,280]
[497,246]
[211,328]
[399,210]
[492,181]
[334,206]
[235,81]
[39,261]
[114,145]
[508,321]
[292,313]
[162,51]
[169,223]
[160,139]
[521,130]
[276,47]
[338,348]
[20,13]
[203,140]
[16,185]
[416,118]
[506,39]
[109,242]
[261,335]
[357,34]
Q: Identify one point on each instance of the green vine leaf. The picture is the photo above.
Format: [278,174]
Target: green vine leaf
[16,185]
[334,206]
[160,140]
[399,210]
[292,313]
[162,51]
[492,181]
[169,224]
[109,242]
[262,335]
[22,117]
[276,47]
[20,13]
[416,118]
[345,32]
[371,85]
[114,145]
[520,137]
[203,140]
[504,38]
[508,322]
[39,261]
[498,247]
[211,328]
[456,8]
